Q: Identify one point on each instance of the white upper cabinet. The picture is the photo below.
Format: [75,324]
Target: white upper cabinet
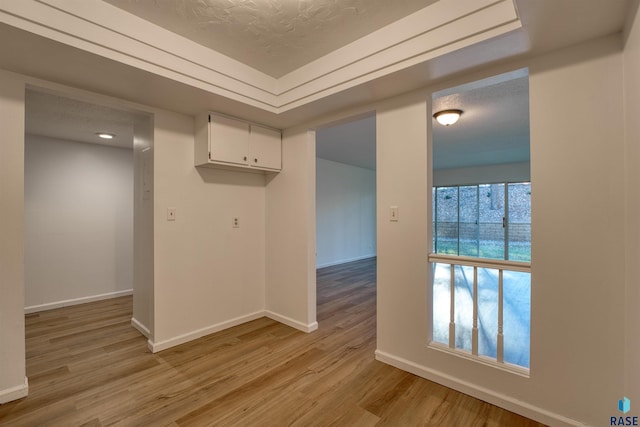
[228,140]
[265,148]
[228,143]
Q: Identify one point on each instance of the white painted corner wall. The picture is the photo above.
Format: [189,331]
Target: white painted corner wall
[78,222]
[13,383]
[205,271]
[345,213]
[577,151]
[632,197]
[290,237]
[143,252]
[402,181]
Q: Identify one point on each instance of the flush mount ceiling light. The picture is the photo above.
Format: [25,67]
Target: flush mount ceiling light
[447,117]
[105,135]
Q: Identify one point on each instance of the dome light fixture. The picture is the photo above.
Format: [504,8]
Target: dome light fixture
[105,135]
[447,117]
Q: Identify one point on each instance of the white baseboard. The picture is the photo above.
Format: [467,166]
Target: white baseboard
[490,396]
[75,301]
[291,322]
[344,261]
[140,328]
[155,347]
[181,339]
[15,393]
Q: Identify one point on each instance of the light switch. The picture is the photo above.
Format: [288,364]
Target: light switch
[171,214]
[393,213]
[236,222]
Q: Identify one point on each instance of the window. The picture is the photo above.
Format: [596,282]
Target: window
[481,223]
[484,220]
[489,314]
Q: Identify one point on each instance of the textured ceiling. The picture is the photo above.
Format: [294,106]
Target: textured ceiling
[494,127]
[273,36]
[72,120]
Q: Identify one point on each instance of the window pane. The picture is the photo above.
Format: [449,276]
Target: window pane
[468,231]
[433,220]
[487,312]
[516,316]
[441,302]
[463,306]
[520,221]
[447,220]
[491,206]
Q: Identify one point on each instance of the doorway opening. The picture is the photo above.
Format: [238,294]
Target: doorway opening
[88,207]
[346,215]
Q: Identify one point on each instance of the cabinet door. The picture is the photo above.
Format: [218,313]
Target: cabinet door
[265,148]
[228,140]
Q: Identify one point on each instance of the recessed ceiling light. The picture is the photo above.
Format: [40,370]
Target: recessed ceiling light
[105,135]
[447,117]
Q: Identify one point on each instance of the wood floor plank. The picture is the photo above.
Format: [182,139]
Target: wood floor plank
[88,367]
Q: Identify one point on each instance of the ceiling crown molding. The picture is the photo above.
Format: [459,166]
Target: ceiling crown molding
[105,30]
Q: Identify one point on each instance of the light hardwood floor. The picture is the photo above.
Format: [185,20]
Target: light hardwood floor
[87,366]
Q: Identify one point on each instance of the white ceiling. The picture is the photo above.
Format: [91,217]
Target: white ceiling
[493,128]
[68,119]
[353,143]
[274,36]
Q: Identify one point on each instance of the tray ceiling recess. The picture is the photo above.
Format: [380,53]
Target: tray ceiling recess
[302,37]
[277,36]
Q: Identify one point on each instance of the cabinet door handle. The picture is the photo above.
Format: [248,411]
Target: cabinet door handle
[255,160]
[245,158]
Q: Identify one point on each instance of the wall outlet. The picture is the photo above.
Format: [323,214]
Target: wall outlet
[236,222]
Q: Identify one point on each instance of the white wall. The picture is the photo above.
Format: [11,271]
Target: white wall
[345,213]
[291,245]
[402,180]
[13,383]
[510,172]
[78,222]
[577,222]
[632,178]
[143,292]
[207,274]
[577,162]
